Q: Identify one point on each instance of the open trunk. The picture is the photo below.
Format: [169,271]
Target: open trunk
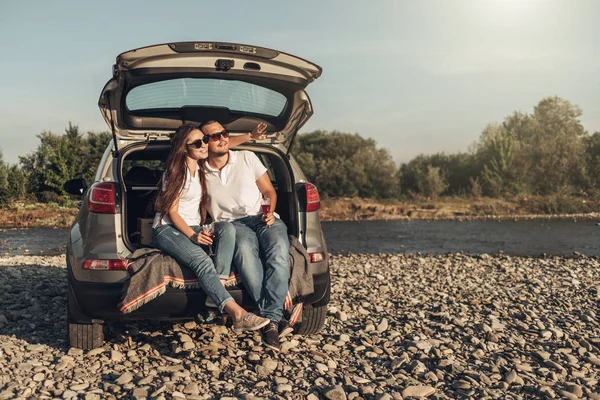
[155,89]
[142,165]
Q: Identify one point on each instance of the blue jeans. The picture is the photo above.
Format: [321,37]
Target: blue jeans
[267,282]
[170,240]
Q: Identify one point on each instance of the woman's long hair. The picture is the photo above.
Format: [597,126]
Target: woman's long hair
[175,173]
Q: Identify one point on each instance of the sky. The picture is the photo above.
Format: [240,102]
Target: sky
[416,76]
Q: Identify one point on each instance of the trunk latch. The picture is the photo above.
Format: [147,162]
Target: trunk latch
[224,65]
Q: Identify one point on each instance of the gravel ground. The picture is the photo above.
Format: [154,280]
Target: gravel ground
[399,326]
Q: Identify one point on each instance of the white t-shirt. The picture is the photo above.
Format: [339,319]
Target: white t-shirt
[232,191]
[189,201]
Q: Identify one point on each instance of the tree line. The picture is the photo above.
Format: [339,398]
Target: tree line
[545,152]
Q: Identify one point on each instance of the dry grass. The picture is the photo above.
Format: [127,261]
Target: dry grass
[460,208]
[21,215]
[348,209]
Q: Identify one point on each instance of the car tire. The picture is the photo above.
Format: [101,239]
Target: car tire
[313,319]
[86,336]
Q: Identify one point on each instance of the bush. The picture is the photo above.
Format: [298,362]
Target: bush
[50,197]
[432,182]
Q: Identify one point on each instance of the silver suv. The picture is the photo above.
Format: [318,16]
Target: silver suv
[152,91]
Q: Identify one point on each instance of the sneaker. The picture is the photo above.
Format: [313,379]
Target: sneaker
[250,322]
[271,336]
[284,328]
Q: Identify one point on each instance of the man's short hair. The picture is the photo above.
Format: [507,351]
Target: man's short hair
[207,122]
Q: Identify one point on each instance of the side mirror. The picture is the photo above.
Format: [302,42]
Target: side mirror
[75,186]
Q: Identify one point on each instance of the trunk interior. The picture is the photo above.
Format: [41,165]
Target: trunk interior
[142,166]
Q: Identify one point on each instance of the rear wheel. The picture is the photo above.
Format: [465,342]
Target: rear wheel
[86,336]
[313,319]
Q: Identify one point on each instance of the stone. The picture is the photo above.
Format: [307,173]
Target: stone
[69,394]
[383,325]
[575,389]
[191,388]
[139,393]
[283,388]
[335,393]
[418,391]
[116,356]
[126,377]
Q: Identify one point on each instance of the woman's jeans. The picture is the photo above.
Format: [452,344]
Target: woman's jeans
[187,253]
[266,279]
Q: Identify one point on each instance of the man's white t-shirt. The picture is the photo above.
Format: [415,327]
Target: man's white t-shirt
[189,201]
[232,191]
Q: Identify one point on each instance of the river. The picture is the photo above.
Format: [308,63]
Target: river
[525,237]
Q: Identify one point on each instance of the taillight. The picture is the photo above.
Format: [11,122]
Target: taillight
[102,198]
[106,265]
[316,257]
[313,201]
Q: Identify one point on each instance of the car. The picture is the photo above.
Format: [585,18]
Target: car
[152,91]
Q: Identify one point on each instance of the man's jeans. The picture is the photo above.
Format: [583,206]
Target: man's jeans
[267,282]
[187,253]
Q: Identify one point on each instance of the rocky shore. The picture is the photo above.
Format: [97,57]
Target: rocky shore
[399,327]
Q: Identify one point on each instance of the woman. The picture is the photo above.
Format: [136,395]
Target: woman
[180,211]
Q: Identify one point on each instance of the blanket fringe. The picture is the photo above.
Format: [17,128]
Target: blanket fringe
[156,292]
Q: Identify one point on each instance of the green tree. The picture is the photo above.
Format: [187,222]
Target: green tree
[539,153]
[457,169]
[59,158]
[12,182]
[344,164]
[498,172]
[593,160]
[432,182]
[4,198]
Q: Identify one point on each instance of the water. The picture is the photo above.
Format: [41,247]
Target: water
[33,241]
[531,238]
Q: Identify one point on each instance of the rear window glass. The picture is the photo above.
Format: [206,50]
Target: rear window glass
[235,95]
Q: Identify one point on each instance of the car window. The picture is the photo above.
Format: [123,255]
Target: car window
[142,172]
[234,95]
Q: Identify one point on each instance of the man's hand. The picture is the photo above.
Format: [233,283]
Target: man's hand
[260,132]
[269,218]
[201,238]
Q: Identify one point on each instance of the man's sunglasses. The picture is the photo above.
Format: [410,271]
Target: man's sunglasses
[206,138]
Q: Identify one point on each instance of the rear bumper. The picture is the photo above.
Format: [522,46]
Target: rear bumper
[93,302]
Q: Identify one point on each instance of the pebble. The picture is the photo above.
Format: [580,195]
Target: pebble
[95,352]
[335,393]
[284,388]
[464,325]
[418,391]
[126,377]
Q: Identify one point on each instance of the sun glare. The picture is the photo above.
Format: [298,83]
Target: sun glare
[508,12]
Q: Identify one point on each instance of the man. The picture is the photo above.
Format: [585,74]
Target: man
[237,182]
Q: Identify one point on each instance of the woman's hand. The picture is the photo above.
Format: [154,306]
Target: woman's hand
[269,218]
[260,132]
[201,238]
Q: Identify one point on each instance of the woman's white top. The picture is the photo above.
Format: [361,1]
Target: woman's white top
[189,201]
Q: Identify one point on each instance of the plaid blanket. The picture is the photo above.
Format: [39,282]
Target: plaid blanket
[150,271]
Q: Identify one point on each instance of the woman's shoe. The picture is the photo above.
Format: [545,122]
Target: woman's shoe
[249,322]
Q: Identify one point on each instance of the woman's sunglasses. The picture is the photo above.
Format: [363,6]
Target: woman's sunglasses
[206,138]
